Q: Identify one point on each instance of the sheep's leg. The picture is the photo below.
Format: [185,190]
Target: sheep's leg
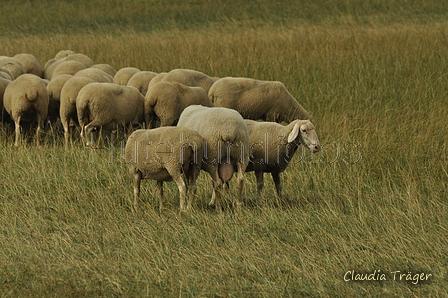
[17,124]
[39,128]
[260,184]
[160,194]
[192,177]
[137,180]
[278,185]
[182,190]
[66,126]
[240,183]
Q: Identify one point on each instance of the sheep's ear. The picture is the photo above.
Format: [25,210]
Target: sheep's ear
[294,133]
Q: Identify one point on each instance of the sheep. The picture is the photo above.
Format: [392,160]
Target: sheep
[141,79]
[158,78]
[190,77]
[272,146]
[165,154]
[54,89]
[26,99]
[71,56]
[3,84]
[124,74]
[95,74]
[81,58]
[31,64]
[12,65]
[226,143]
[67,67]
[165,101]
[67,110]
[108,105]
[107,68]
[257,100]
[63,53]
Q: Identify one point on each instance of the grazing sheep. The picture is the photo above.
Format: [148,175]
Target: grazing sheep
[54,89]
[51,64]
[141,79]
[31,64]
[165,154]
[13,65]
[108,105]
[124,74]
[158,78]
[226,143]
[67,67]
[165,101]
[107,68]
[190,77]
[272,146]
[67,110]
[96,74]
[26,99]
[257,100]
[3,84]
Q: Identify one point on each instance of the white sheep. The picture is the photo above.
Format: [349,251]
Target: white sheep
[51,64]
[67,110]
[54,89]
[165,154]
[13,65]
[272,146]
[63,53]
[31,64]
[67,67]
[190,77]
[26,99]
[257,100]
[165,101]
[158,78]
[226,143]
[108,105]
[95,74]
[141,79]
[124,74]
[107,68]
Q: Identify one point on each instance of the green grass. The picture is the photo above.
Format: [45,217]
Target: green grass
[372,73]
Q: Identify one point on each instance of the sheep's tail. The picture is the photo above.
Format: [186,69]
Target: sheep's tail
[31,95]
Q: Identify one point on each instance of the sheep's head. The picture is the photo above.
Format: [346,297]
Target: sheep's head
[305,133]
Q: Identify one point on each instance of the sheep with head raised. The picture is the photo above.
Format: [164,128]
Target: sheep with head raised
[257,100]
[124,74]
[25,100]
[190,77]
[226,143]
[95,74]
[272,146]
[108,105]
[141,79]
[165,154]
[31,64]
[165,101]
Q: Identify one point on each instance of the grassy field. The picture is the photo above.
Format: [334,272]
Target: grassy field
[373,202]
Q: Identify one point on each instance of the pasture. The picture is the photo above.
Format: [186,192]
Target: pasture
[373,204]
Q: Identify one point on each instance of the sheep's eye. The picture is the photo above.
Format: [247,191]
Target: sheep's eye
[304,131]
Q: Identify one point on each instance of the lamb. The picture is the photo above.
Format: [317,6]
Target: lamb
[67,67]
[67,110]
[13,65]
[107,68]
[165,154]
[124,74]
[26,99]
[226,143]
[190,77]
[54,89]
[165,101]
[141,79]
[257,100]
[272,146]
[108,105]
[95,74]
[31,64]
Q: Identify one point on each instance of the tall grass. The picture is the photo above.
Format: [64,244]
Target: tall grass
[372,73]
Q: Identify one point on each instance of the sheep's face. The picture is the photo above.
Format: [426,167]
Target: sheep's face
[306,135]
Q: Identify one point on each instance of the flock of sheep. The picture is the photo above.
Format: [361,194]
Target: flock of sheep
[193,121]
